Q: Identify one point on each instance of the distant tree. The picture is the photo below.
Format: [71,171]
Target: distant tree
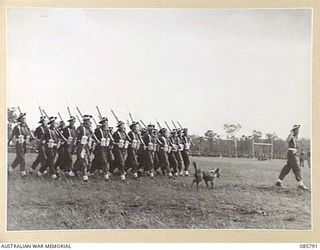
[257,135]
[211,137]
[231,129]
[271,136]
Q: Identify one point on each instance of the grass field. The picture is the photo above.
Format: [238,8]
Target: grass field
[243,198]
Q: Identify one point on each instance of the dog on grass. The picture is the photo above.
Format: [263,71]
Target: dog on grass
[206,176]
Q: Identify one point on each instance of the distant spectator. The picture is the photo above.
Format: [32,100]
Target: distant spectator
[308,157]
[301,158]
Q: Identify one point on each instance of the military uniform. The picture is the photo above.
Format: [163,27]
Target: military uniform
[156,162]
[132,159]
[186,141]
[292,161]
[22,135]
[163,153]
[178,147]
[84,137]
[100,161]
[69,133]
[39,134]
[141,150]
[148,157]
[61,150]
[120,150]
[52,139]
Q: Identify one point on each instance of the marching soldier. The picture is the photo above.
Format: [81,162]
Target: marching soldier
[292,161]
[163,152]
[156,163]
[22,134]
[61,148]
[186,150]
[39,134]
[133,147]
[120,149]
[100,161]
[173,148]
[110,152]
[178,149]
[142,148]
[148,153]
[69,133]
[52,139]
[84,143]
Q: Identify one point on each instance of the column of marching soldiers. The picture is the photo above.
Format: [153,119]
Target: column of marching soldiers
[143,151]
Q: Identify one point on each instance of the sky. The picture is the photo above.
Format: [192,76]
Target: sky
[201,67]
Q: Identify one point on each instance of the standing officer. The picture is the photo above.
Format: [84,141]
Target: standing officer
[100,161]
[69,133]
[22,134]
[133,147]
[84,143]
[292,161]
[119,149]
[39,134]
[186,141]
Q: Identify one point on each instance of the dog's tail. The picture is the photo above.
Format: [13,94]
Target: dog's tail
[195,166]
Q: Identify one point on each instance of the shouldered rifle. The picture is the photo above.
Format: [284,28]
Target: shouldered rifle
[131,117]
[69,111]
[174,125]
[128,123]
[41,113]
[114,115]
[30,132]
[179,124]
[19,110]
[100,116]
[79,112]
[45,113]
[79,119]
[60,116]
[159,125]
[143,124]
[168,126]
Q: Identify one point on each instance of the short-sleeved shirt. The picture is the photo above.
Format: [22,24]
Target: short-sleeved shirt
[69,131]
[101,133]
[133,136]
[39,132]
[163,141]
[147,138]
[293,142]
[20,130]
[119,135]
[83,131]
[51,134]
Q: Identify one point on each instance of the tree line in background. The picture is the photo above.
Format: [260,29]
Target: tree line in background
[213,144]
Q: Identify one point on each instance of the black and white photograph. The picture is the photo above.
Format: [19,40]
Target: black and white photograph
[159,118]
